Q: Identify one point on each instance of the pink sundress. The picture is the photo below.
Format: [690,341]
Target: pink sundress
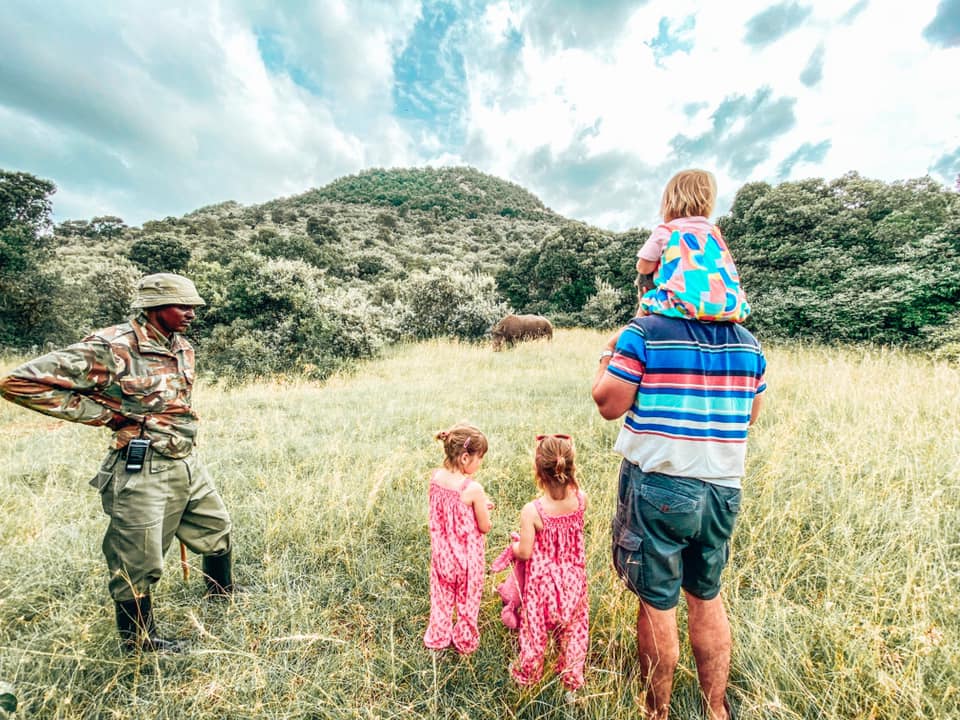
[555,600]
[456,570]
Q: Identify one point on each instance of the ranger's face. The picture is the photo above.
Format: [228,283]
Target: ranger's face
[172,318]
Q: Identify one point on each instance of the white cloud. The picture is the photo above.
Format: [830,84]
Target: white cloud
[179,103]
[875,103]
[146,111]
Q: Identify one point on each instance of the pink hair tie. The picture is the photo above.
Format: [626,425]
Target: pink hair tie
[466,445]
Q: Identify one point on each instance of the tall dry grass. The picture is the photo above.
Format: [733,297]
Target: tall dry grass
[842,588]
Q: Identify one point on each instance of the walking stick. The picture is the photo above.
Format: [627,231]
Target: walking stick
[184,565]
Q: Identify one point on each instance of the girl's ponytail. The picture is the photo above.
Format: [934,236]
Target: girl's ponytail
[555,464]
[459,439]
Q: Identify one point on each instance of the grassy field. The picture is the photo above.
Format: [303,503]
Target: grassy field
[842,589]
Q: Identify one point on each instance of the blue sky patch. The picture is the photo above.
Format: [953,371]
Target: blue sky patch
[112,113]
[691,109]
[770,25]
[275,60]
[743,130]
[806,153]
[813,72]
[948,167]
[944,29]
[850,15]
[672,38]
[429,89]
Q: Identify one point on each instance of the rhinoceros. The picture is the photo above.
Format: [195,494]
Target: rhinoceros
[514,328]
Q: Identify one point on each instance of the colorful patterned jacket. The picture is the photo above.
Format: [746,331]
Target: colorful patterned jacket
[124,377]
[697,278]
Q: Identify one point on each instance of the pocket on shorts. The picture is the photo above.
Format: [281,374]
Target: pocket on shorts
[733,503]
[728,508]
[105,473]
[668,514]
[160,463]
[668,502]
[628,555]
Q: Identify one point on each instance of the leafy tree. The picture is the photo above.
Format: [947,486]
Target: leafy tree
[321,230]
[602,310]
[558,277]
[73,228]
[160,253]
[107,226]
[440,304]
[25,287]
[444,192]
[279,316]
[161,226]
[848,260]
[254,216]
[95,292]
[25,201]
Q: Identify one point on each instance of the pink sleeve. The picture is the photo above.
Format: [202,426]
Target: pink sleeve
[653,248]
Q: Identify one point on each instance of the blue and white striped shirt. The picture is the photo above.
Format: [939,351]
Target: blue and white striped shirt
[696,382]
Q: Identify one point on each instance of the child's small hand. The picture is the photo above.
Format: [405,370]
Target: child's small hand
[490,505]
[515,536]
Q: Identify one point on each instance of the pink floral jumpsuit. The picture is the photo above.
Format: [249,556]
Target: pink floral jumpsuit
[456,570]
[556,600]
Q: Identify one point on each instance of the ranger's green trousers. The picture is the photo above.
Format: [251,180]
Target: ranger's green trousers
[168,498]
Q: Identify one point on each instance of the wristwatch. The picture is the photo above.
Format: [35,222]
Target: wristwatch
[606,354]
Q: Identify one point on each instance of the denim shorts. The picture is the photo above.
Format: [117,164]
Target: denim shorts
[671,532]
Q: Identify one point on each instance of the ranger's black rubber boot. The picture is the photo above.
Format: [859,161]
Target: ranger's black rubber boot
[218,574]
[138,631]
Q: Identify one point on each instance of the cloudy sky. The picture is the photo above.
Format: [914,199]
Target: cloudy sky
[150,109]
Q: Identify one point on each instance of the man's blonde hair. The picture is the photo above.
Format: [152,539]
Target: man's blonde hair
[687,194]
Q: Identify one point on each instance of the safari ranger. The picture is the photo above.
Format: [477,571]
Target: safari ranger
[136,378]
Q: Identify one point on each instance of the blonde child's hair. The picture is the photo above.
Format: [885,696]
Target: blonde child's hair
[689,193]
[555,466]
[459,439]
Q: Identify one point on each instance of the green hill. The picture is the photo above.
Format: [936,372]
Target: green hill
[448,192]
[338,272]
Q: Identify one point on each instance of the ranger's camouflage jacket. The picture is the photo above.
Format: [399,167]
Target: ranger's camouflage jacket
[123,377]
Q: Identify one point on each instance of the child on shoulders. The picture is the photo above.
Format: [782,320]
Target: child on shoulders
[459,520]
[684,268]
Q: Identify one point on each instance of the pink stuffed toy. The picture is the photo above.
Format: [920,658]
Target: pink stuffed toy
[511,589]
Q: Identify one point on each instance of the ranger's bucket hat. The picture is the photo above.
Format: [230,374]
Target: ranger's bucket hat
[166,289]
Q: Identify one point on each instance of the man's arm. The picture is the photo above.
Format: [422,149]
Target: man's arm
[612,395]
[757,406]
[61,383]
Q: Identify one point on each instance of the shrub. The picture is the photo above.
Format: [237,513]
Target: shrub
[440,304]
[603,308]
[279,316]
[159,253]
[94,293]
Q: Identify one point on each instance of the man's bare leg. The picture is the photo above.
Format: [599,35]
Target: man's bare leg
[658,648]
[711,643]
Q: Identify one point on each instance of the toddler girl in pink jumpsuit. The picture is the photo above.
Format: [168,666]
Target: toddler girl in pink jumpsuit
[459,519]
[555,599]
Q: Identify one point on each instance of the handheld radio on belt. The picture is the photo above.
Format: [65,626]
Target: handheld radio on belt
[136,452]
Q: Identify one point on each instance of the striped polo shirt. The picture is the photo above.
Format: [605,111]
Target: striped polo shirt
[696,382]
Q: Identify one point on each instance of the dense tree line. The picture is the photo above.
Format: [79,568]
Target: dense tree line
[846,260]
[305,284]
[850,260]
